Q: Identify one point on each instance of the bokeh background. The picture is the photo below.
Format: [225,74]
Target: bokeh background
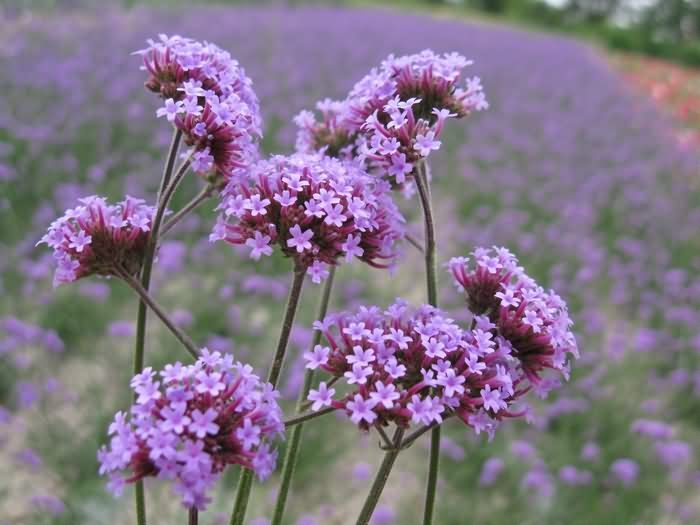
[586,166]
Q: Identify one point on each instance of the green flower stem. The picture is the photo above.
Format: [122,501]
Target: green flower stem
[140,343]
[201,197]
[165,200]
[245,482]
[430,252]
[299,420]
[169,163]
[414,242]
[380,479]
[294,443]
[410,439]
[185,339]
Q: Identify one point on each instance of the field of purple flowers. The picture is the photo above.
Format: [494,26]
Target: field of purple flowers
[570,170]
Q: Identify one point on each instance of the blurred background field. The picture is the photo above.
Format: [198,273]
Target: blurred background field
[586,166]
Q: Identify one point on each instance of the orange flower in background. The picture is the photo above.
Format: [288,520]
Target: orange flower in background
[675,89]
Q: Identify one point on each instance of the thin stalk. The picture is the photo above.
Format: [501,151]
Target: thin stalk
[140,343]
[246,480]
[165,200]
[430,250]
[411,438]
[185,339]
[297,421]
[170,162]
[187,209]
[287,323]
[414,242]
[431,489]
[193,516]
[140,500]
[292,452]
[382,433]
[380,479]
[432,282]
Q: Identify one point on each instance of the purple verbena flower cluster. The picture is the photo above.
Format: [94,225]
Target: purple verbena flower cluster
[96,238]
[532,322]
[316,209]
[189,422]
[330,136]
[209,98]
[393,117]
[414,366]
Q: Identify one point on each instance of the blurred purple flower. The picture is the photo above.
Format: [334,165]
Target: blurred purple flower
[625,471]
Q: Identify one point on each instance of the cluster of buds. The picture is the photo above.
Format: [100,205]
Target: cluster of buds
[331,136]
[209,98]
[407,366]
[190,424]
[534,322]
[316,209]
[97,238]
[401,108]
[393,117]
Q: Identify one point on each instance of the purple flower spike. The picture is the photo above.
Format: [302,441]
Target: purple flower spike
[97,238]
[209,98]
[418,367]
[394,116]
[510,307]
[316,209]
[333,135]
[193,423]
[400,109]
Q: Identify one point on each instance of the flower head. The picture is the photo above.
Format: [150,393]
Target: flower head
[221,133]
[181,68]
[514,312]
[98,238]
[398,110]
[333,135]
[189,423]
[408,366]
[315,209]
[209,98]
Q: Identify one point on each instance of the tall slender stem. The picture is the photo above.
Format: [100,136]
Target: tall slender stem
[294,443]
[193,516]
[189,207]
[140,343]
[245,482]
[298,421]
[170,162]
[431,279]
[287,323]
[140,501]
[185,339]
[380,480]
[430,250]
[414,242]
[165,200]
[431,489]
[409,440]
